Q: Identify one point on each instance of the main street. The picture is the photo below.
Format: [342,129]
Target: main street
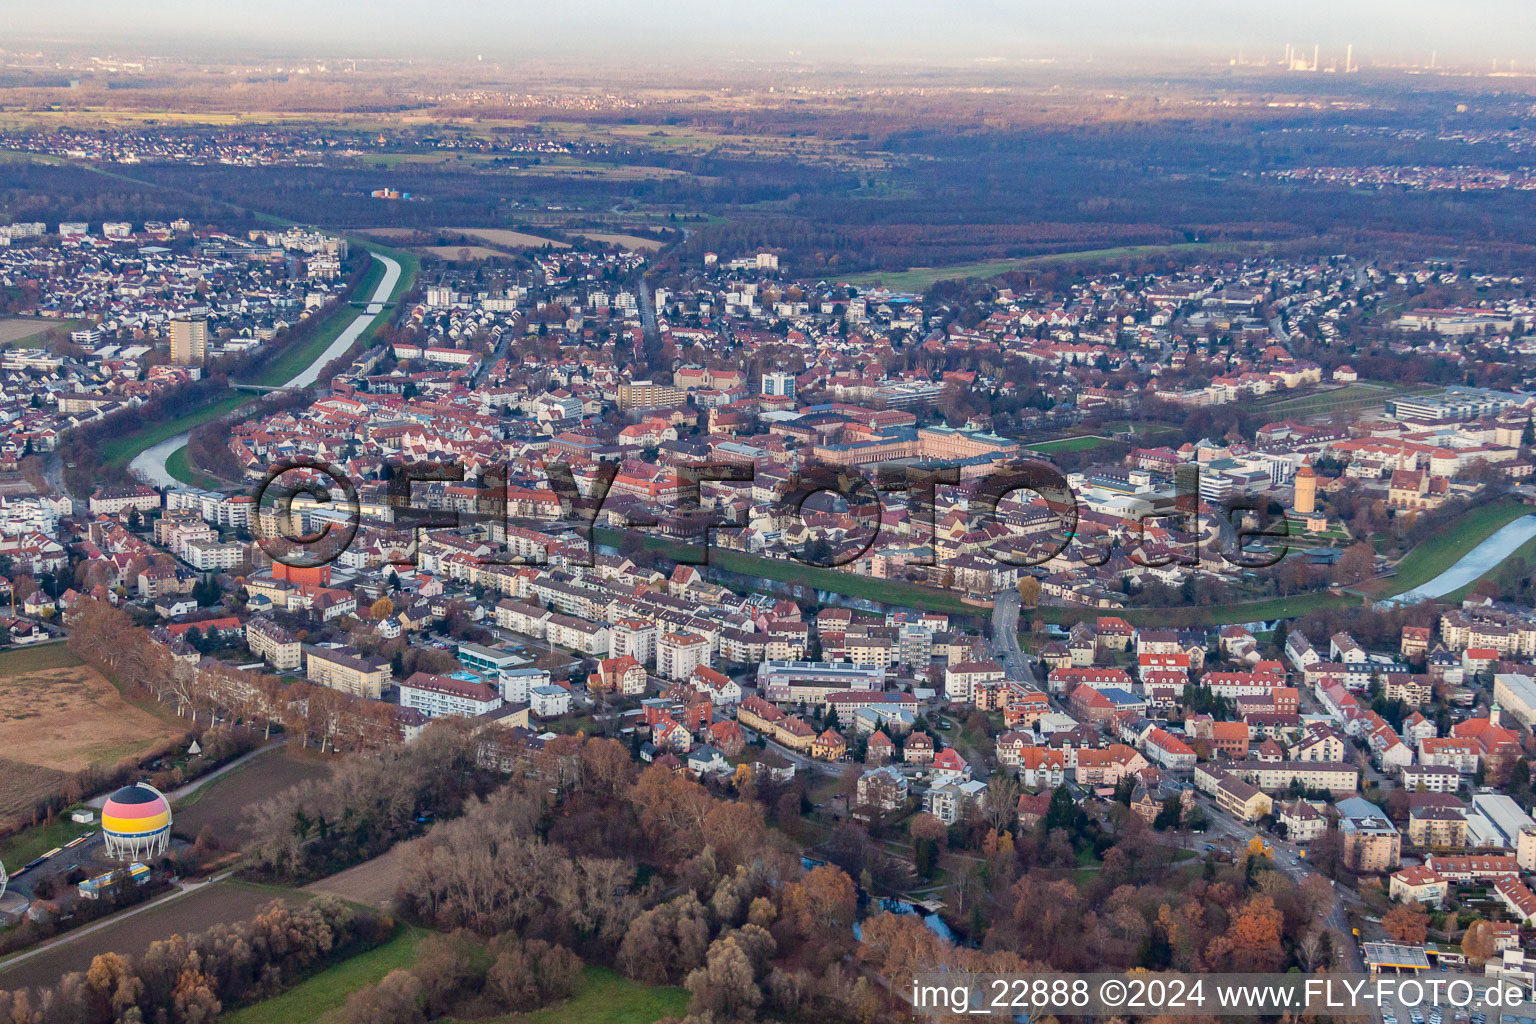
[1005,637]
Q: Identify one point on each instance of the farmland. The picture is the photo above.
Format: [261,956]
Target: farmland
[372,883]
[132,931]
[222,804]
[58,716]
[29,332]
[628,241]
[461,252]
[508,239]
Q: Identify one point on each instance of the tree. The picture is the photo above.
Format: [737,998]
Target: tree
[396,999]
[1357,563]
[725,987]
[1477,943]
[1251,943]
[381,609]
[1169,815]
[1002,808]
[1062,812]
[821,908]
[666,942]
[1029,591]
[1407,923]
[1519,784]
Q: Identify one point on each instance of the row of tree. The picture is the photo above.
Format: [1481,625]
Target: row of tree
[191,979]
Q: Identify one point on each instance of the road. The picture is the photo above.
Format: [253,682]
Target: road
[1287,860]
[1005,637]
[198,783]
[647,310]
[182,889]
[491,360]
[149,465]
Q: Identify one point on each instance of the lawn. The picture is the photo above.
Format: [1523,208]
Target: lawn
[1524,558]
[1081,443]
[121,450]
[916,279]
[21,660]
[320,994]
[1441,551]
[180,467]
[607,997]
[602,996]
[29,844]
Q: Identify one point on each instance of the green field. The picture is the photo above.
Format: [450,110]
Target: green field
[916,279]
[25,332]
[179,465]
[1523,559]
[602,996]
[31,843]
[1420,565]
[310,1000]
[286,366]
[1082,443]
[121,450]
[606,997]
[1423,563]
[1350,398]
[20,660]
[1441,551]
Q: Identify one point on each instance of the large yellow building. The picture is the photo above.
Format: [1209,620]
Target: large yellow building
[344,670]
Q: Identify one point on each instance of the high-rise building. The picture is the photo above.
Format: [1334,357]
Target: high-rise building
[778,384]
[189,342]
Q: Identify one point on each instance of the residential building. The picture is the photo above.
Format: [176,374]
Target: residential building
[437,696]
[343,669]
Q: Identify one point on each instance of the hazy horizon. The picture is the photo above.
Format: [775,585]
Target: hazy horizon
[855,30]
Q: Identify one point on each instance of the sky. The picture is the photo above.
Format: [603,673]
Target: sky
[1388,30]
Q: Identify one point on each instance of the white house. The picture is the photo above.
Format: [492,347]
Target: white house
[549,701]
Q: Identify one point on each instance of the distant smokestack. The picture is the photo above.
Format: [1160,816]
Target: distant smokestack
[1314,56]
[1349,58]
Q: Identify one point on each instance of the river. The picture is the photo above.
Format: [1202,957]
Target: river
[1487,555]
[149,465]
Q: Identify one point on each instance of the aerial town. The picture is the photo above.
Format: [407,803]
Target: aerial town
[623,604]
